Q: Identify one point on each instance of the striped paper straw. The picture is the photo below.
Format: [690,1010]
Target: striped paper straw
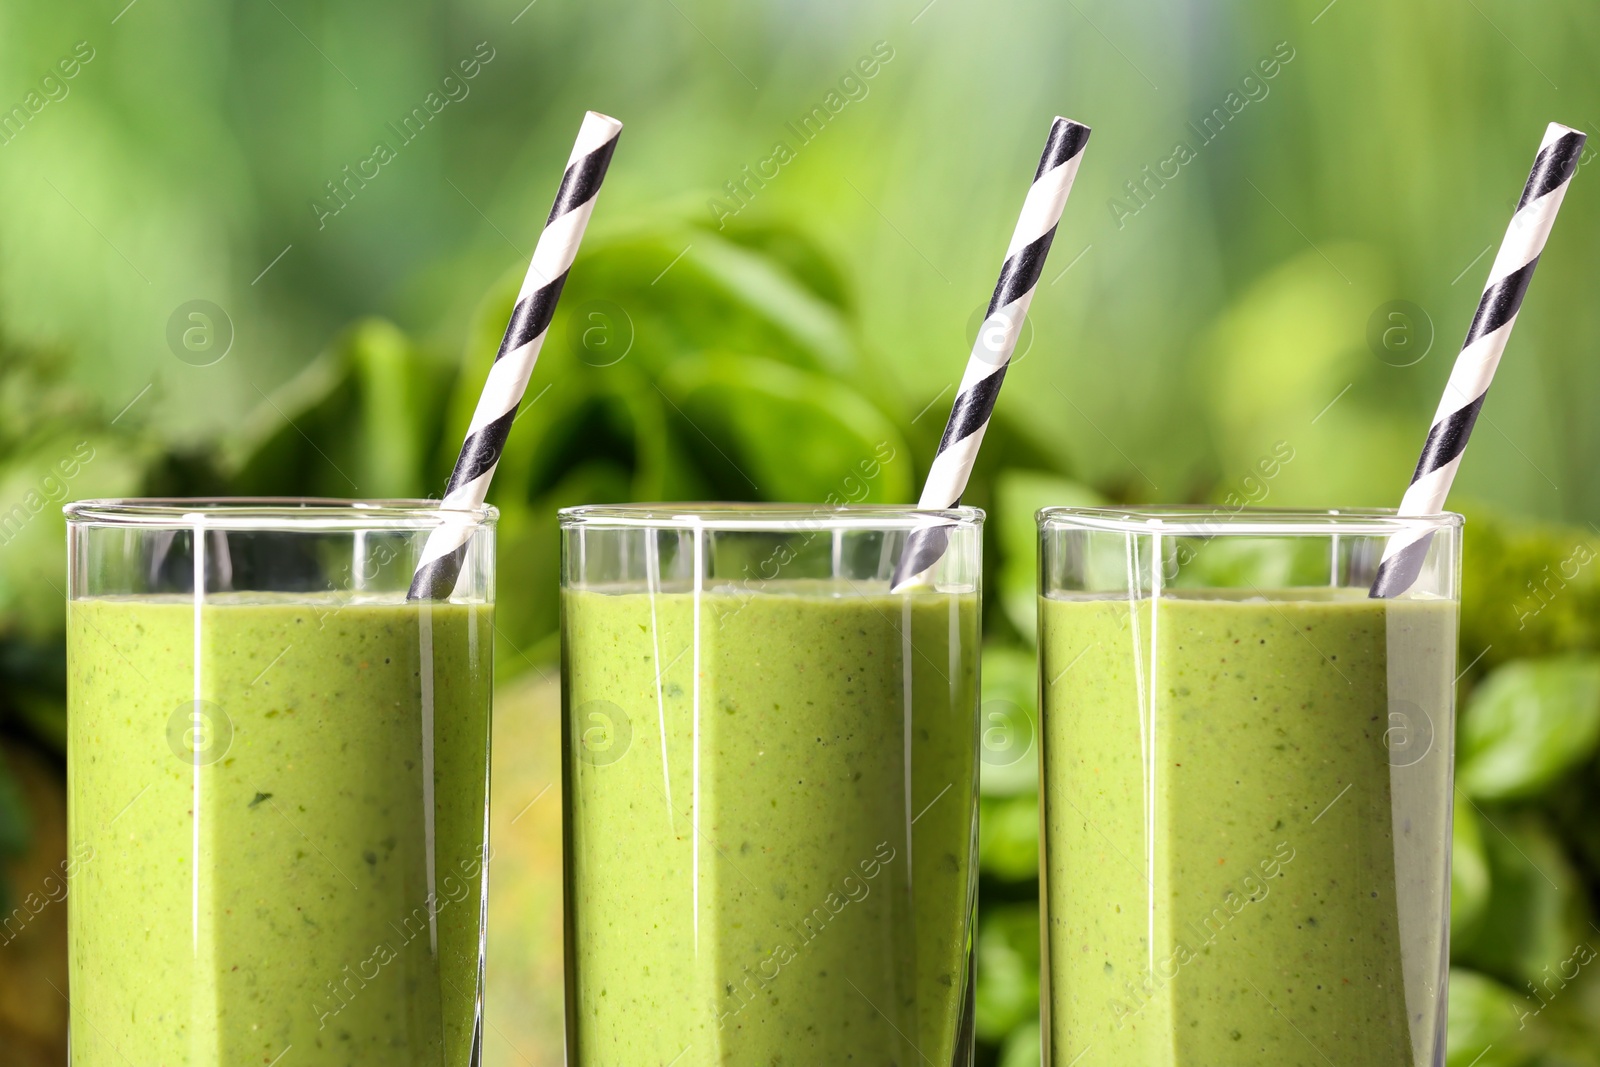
[1480,355]
[997,339]
[446,547]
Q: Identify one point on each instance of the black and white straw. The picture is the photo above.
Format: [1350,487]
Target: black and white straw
[442,556]
[997,339]
[1524,242]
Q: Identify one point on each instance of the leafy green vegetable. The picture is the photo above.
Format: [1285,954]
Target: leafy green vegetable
[1008,960]
[765,430]
[1571,1017]
[1008,837]
[1023,1047]
[1527,724]
[361,420]
[55,446]
[1531,588]
[1484,1024]
[1537,912]
[627,402]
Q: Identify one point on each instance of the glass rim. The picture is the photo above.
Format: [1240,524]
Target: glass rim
[1200,520]
[768,517]
[285,514]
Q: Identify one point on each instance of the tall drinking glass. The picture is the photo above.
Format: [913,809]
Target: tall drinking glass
[277,776]
[1246,780]
[771,786]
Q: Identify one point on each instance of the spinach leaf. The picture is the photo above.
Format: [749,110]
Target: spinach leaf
[1485,1027]
[360,420]
[765,430]
[1023,1047]
[1537,913]
[1527,724]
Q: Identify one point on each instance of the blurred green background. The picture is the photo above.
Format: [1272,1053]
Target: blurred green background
[213,280]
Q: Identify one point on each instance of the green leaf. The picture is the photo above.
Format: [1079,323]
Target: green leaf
[1010,722]
[400,411]
[1008,970]
[1469,876]
[70,465]
[1529,589]
[785,245]
[764,286]
[1024,1046]
[360,420]
[1537,910]
[768,292]
[1019,494]
[1485,1027]
[1008,837]
[1527,724]
[765,430]
[1572,1012]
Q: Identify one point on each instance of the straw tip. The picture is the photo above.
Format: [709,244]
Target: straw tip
[1555,131]
[1066,142]
[600,121]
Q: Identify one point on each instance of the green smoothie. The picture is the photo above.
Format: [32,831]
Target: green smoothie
[1246,821]
[303,873]
[771,805]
